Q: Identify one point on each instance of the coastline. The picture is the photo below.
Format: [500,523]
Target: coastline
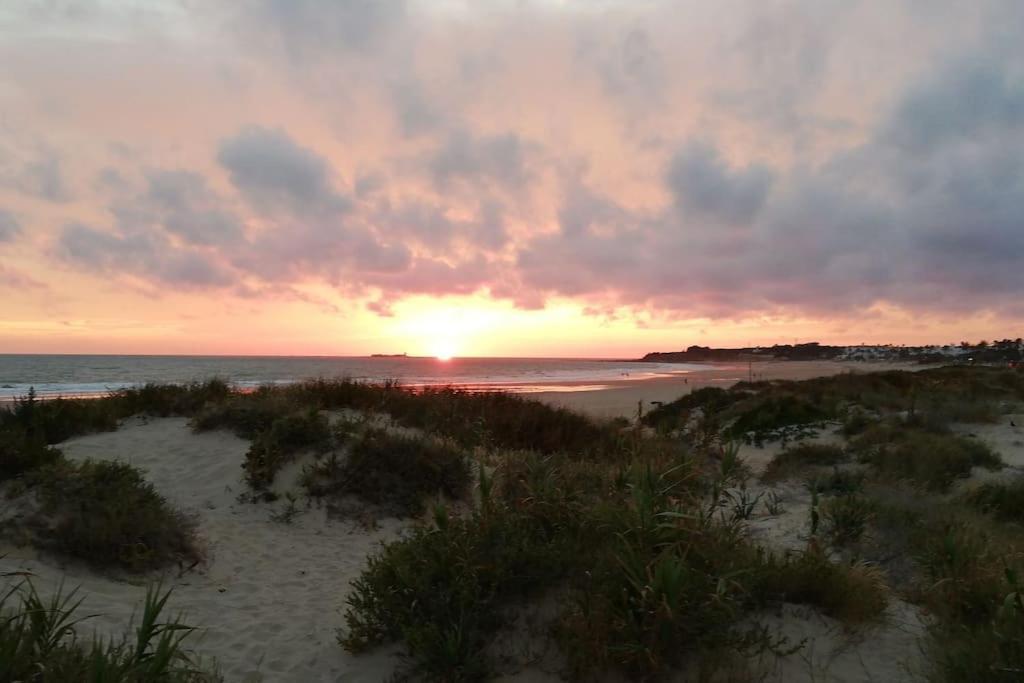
[617,397]
[621,398]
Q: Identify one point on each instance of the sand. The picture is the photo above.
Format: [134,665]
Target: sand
[621,398]
[271,596]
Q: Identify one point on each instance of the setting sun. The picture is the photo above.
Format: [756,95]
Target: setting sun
[444,349]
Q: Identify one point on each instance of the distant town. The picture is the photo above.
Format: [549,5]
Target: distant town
[1002,351]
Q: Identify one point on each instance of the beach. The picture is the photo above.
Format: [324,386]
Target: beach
[622,398]
[268,597]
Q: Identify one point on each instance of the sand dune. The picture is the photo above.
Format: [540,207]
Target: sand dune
[271,595]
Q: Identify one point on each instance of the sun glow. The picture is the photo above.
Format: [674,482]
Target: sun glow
[444,349]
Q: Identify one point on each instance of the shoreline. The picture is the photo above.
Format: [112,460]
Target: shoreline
[607,398]
[622,398]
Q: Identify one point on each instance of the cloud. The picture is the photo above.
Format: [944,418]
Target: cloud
[182,204]
[10,228]
[144,255]
[970,100]
[273,171]
[499,159]
[805,158]
[14,279]
[39,174]
[703,185]
[309,27]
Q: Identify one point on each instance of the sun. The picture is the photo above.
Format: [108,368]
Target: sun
[444,349]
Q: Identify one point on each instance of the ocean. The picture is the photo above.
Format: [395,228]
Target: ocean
[83,375]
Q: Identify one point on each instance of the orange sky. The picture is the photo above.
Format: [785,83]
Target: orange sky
[586,179]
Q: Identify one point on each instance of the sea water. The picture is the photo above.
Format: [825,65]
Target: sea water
[87,375]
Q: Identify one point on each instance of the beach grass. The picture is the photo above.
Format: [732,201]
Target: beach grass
[40,642]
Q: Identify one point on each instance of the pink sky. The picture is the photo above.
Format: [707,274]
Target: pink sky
[598,178]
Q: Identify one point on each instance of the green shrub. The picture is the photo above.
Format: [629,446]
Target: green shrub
[58,419]
[763,416]
[799,457]
[278,445]
[676,414]
[963,573]
[856,422]
[163,400]
[39,643]
[20,453]
[667,591]
[245,415]
[1005,501]
[837,482]
[107,514]
[396,473]
[852,593]
[991,651]
[441,590]
[846,518]
[932,460]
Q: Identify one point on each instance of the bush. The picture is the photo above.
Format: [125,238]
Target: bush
[837,482]
[932,460]
[652,577]
[38,642]
[852,593]
[764,416]
[797,458]
[245,415]
[992,651]
[846,518]
[441,590]
[107,514]
[163,400]
[676,414]
[20,453]
[1005,501]
[58,419]
[396,473]
[277,445]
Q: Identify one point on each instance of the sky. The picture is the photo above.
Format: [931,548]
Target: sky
[572,178]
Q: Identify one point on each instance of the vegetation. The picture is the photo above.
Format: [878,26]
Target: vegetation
[107,514]
[1005,501]
[39,643]
[278,444]
[638,541]
[393,472]
[923,457]
[654,573]
[798,458]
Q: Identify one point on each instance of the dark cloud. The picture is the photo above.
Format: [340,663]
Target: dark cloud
[41,176]
[879,222]
[630,65]
[273,171]
[500,159]
[148,256]
[705,187]
[969,100]
[416,114]
[182,203]
[10,228]
[310,27]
